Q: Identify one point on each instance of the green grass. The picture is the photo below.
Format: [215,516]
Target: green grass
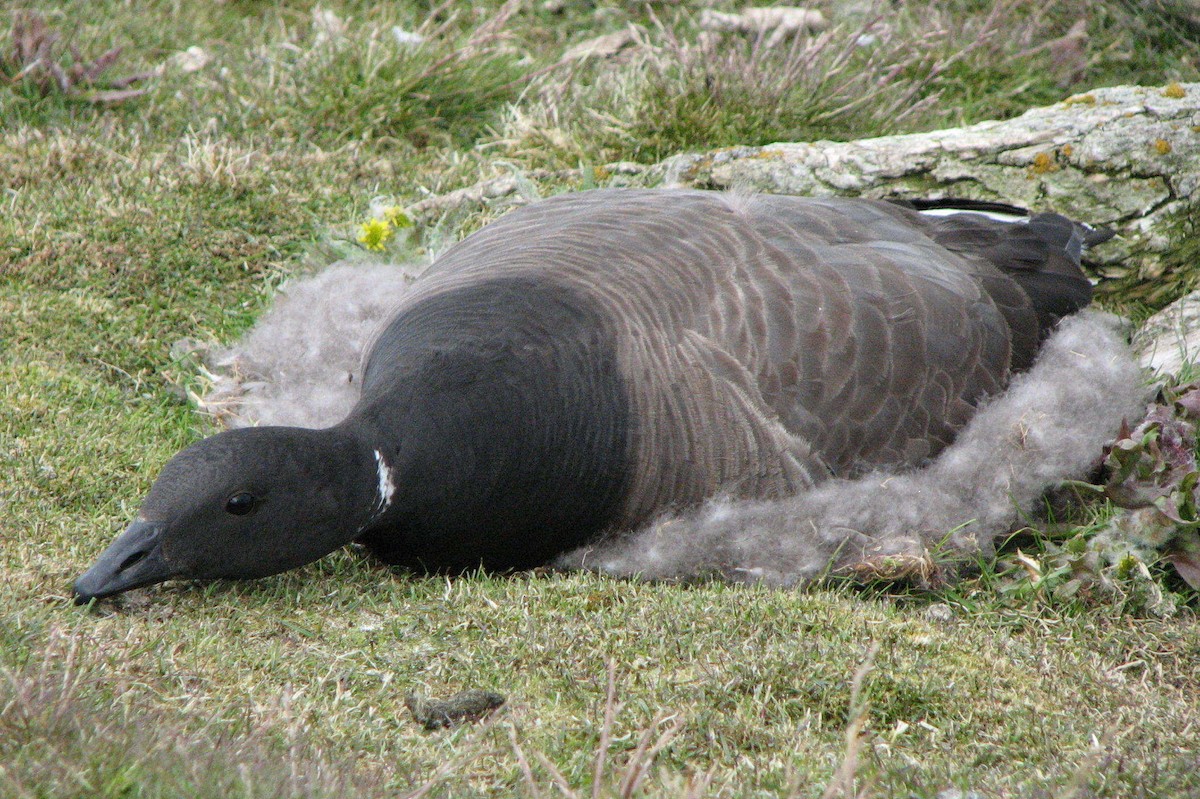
[128,227]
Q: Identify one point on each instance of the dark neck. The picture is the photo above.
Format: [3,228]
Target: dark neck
[350,454]
[505,422]
[343,499]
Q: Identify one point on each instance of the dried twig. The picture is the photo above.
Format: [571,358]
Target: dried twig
[645,753]
[523,763]
[843,779]
[628,782]
[610,713]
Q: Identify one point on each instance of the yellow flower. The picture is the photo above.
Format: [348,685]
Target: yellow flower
[395,216]
[374,233]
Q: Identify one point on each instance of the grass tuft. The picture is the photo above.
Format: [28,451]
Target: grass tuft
[57,740]
[343,81]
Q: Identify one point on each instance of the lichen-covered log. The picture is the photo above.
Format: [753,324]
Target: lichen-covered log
[1127,157]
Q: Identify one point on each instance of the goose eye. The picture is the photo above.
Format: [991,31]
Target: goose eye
[240,503]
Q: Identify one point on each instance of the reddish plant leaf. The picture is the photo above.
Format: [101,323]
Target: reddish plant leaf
[1189,403]
[1188,566]
[33,61]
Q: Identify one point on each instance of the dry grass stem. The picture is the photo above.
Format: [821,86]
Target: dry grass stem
[843,780]
[611,707]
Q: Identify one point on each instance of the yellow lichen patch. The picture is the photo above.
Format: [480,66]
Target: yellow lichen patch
[1162,146]
[1174,91]
[1067,150]
[1042,163]
[1080,99]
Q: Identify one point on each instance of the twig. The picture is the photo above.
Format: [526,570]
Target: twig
[843,779]
[557,776]
[610,712]
[643,756]
[523,762]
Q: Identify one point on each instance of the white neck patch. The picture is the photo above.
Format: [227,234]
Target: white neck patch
[386,487]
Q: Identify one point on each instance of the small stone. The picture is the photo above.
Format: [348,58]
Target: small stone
[190,60]
[780,22]
[605,46]
[939,613]
[955,793]
[406,38]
